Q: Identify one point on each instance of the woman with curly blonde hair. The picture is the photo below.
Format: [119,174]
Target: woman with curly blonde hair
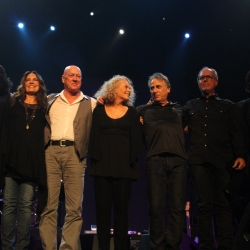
[115,144]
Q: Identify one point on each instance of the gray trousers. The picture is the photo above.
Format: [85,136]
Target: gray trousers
[62,163]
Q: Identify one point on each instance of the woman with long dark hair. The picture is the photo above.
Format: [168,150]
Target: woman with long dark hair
[25,166]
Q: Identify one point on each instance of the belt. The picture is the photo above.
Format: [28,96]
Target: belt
[62,143]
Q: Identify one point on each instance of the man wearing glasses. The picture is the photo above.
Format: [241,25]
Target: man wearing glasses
[216,149]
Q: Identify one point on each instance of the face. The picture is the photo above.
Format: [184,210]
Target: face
[159,90]
[31,84]
[207,82]
[123,90]
[72,79]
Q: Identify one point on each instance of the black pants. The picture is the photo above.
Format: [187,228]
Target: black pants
[210,181]
[166,177]
[112,191]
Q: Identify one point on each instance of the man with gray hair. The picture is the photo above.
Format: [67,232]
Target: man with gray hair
[166,171]
[216,150]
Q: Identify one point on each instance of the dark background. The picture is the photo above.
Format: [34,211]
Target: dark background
[153,42]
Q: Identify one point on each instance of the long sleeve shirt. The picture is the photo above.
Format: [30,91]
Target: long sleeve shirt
[215,130]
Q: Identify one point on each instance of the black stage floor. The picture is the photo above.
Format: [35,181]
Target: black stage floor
[89,241]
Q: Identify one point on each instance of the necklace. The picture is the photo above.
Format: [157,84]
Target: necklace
[30,117]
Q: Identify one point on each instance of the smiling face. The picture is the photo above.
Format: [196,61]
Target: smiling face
[31,84]
[72,79]
[207,82]
[123,90]
[159,91]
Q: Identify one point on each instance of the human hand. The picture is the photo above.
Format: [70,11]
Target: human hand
[100,100]
[141,120]
[239,164]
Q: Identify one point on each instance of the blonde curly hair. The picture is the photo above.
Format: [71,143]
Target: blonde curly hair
[107,90]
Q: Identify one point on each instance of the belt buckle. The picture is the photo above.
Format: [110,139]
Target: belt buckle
[62,144]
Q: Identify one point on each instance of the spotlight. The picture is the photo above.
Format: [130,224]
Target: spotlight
[92,13]
[52,28]
[187,35]
[121,32]
[20,25]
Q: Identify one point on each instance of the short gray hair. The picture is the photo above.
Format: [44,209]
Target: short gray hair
[213,70]
[159,76]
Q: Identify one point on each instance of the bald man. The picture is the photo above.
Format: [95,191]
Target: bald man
[69,118]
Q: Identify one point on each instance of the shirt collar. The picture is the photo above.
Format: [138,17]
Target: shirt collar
[168,104]
[215,97]
[80,97]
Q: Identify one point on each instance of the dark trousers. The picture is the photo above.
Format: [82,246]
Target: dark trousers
[166,179]
[112,191]
[210,181]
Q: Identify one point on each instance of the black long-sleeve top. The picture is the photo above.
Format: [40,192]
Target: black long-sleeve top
[215,130]
[162,128]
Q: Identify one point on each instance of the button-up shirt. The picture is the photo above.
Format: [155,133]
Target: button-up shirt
[62,115]
[215,130]
[163,130]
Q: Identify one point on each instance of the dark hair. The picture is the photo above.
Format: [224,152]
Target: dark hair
[5,82]
[248,82]
[41,95]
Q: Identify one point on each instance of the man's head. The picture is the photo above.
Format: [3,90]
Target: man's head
[248,82]
[72,79]
[159,86]
[207,81]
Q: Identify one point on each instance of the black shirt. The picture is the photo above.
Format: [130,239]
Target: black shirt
[162,128]
[215,130]
[115,144]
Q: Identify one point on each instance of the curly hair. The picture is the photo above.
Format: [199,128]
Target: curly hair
[41,95]
[5,82]
[107,90]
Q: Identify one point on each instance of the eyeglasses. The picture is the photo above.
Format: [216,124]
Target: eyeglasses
[200,78]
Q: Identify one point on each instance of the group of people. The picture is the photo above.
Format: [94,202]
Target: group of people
[45,140]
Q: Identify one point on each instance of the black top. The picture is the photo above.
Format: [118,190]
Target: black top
[26,153]
[215,130]
[4,108]
[115,144]
[163,130]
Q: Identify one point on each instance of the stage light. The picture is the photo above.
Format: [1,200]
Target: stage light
[121,31]
[187,35]
[52,28]
[92,13]
[20,25]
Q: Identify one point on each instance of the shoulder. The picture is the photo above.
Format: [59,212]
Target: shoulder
[140,108]
[191,102]
[227,104]
[244,103]
[225,101]
[176,105]
[52,96]
[93,103]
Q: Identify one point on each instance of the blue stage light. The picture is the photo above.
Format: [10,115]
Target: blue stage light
[187,35]
[20,25]
[52,28]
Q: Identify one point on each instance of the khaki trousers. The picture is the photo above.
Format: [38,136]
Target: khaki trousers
[62,163]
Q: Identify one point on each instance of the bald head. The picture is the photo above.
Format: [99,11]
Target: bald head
[72,79]
[71,67]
